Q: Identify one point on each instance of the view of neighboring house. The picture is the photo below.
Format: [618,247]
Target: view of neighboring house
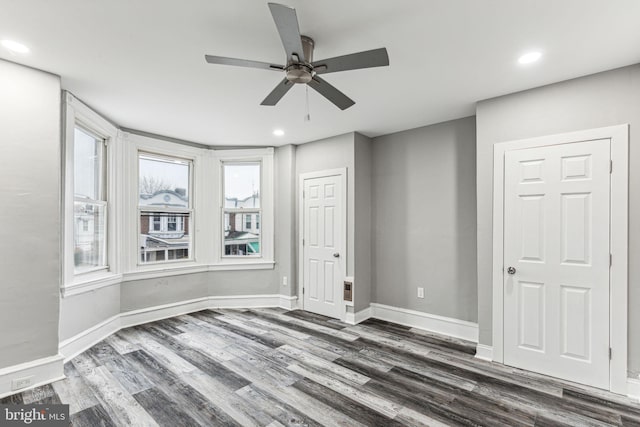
[242,230]
[164,235]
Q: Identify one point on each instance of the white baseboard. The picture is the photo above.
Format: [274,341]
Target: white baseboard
[75,345]
[245,301]
[429,322]
[363,315]
[159,312]
[349,318]
[360,316]
[288,303]
[484,352]
[43,371]
[633,388]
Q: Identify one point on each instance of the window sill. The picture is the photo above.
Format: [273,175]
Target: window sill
[90,282]
[245,264]
[167,271]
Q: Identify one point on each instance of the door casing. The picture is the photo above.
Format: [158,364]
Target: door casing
[618,274]
[310,175]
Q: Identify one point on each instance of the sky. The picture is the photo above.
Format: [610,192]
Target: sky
[241,180]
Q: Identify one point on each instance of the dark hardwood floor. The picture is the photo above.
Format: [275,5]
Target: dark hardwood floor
[268,367]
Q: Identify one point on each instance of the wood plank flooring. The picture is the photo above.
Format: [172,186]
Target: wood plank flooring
[269,367]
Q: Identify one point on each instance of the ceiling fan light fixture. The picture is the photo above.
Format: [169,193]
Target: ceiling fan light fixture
[300,66]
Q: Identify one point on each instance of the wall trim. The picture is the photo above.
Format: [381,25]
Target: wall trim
[484,352]
[618,273]
[431,322]
[159,312]
[80,342]
[288,302]
[93,284]
[71,347]
[633,388]
[44,371]
[358,317]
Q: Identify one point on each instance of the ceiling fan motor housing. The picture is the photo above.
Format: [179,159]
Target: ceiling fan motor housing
[302,71]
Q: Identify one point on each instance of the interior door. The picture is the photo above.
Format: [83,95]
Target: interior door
[323,245]
[556,260]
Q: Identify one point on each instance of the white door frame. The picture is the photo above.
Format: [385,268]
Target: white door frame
[321,174]
[619,136]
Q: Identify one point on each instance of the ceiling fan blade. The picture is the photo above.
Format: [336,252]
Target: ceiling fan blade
[287,23]
[277,93]
[340,100]
[354,61]
[211,59]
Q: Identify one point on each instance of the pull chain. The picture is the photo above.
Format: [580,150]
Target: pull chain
[307,117]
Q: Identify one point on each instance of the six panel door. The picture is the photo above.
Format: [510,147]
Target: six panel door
[556,260]
[323,248]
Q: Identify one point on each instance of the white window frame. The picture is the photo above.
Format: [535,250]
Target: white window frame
[77,114]
[166,210]
[133,268]
[244,212]
[102,197]
[266,210]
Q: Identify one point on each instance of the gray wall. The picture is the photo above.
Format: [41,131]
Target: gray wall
[30,214]
[603,99]
[362,222]
[285,238]
[138,294]
[83,311]
[424,223]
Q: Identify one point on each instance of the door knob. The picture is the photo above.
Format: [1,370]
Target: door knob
[336,255]
[511,270]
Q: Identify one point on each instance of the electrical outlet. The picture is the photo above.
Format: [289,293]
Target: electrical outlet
[285,281]
[420,292]
[20,383]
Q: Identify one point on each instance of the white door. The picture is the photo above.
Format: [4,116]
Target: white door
[323,245]
[556,260]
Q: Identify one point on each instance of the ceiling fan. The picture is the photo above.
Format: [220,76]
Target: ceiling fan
[300,66]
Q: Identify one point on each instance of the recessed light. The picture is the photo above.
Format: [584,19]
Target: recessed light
[14,46]
[278,132]
[529,57]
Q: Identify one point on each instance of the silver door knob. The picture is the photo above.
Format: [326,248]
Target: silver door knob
[336,255]
[511,270]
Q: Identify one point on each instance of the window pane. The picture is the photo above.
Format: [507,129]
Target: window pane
[239,238]
[164,236]
[87,161]
[242,185]
[89,235]
[163,182]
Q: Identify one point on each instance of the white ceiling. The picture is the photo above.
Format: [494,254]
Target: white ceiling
[141,62]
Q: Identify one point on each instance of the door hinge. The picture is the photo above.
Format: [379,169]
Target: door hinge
[611,166]
[302,242]
[610,353]
[302,291]
[610,260]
